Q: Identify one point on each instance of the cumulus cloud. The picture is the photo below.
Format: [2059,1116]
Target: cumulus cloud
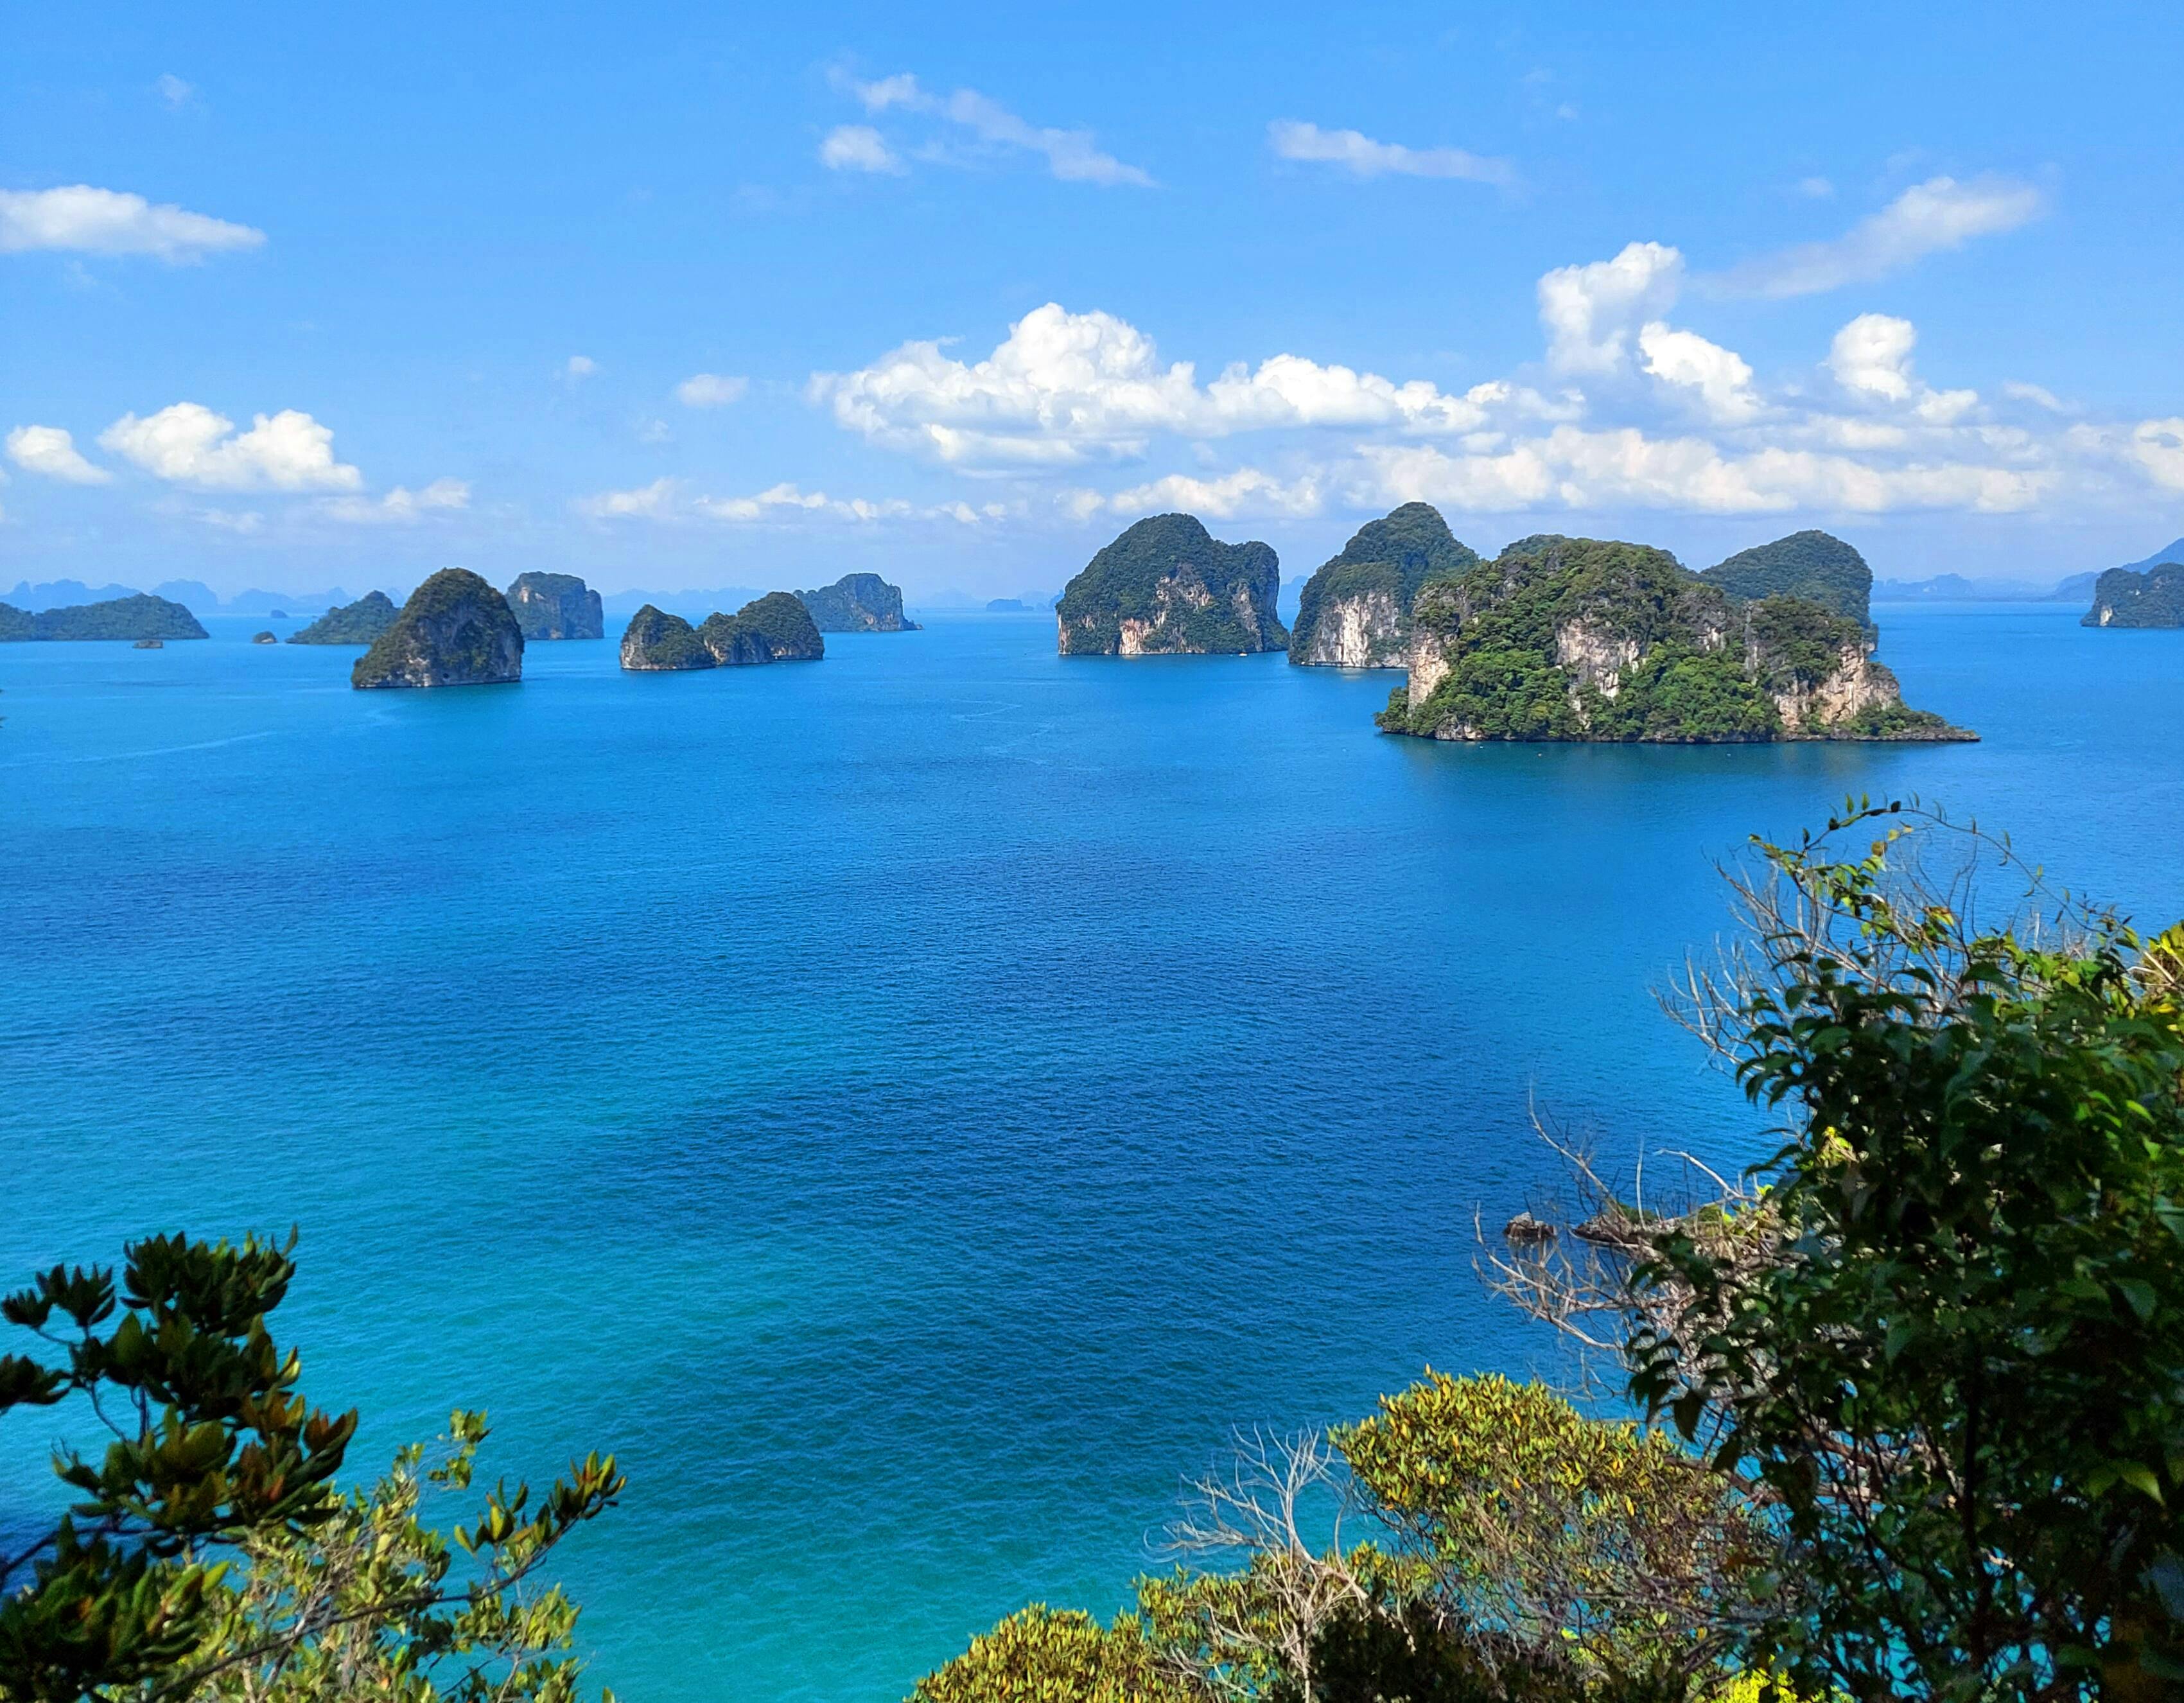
[858,148]
[190,444]
[1928,218]
[1720,377]
[52,451]
[2158,446]
[1245,491]
[1871,358]
[401,506]
[1363,157]
[1072,155]
[664,499]
[710,390]
[1066,386]
[84,220]
[1588,313]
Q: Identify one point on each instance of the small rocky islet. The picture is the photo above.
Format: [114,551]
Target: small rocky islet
[777,627]
[456,630]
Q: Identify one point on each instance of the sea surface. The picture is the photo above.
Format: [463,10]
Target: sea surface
[912,1107]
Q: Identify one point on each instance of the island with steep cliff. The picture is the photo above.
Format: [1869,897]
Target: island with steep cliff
[553,606]
[857,602]
[134,618]
[774,628]
[1354,612]
[1590,639]
[1166,586]
[2123,597]
[456,630]
[361,622]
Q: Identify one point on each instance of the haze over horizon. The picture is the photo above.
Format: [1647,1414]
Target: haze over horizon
[672,301]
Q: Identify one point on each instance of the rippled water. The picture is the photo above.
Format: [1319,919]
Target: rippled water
[910,1106]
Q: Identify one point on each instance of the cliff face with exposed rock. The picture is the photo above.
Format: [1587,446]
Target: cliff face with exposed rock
[455,631]
[2153,598]
[552,606]
[857,602]
[1168,586]
[1354,612]
[1582,638]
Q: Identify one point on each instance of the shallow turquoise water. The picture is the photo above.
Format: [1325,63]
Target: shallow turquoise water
[912,1106]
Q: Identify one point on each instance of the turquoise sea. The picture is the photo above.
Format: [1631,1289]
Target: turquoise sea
[910,1106]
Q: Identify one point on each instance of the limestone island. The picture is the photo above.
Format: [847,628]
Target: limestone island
[134,619]
[264,638]
[455,631]
[1166,586]
[361,622]
[777,627]
[555,606]
[1354,612]
[2122,598]
[857,602]
[1591,639]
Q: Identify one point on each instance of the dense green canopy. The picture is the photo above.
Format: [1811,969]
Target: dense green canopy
[1167,585]
[1394,554]
[140,616]
[1816,566]
[2153,598]
[358,623]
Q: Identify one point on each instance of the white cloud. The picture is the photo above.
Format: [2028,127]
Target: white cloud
[1063,387]
[1928,218]
[81,219]
[1363,157]
[655,498]
[664,500]
[1071,155]
[2158,446]
[52,451]
[1589,312]
[191,445]
[858,148]
[1871,358]
[1816,189]
[174,90]
[1721,377]
[710,390]
[245,521]
[2038,394]
[401,506]
[579,366]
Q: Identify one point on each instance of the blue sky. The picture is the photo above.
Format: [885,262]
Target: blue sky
[679,296]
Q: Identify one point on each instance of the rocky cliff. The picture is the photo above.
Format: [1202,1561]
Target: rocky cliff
[857,602]
[1166,586]
[555,606]
[455,631]
[1583,638]
[1816,566]
[358,623]
[2153,598]
[1354,612]
[137,616]
[773,628]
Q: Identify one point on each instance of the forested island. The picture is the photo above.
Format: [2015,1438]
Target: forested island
[2122,598]
[777,627]
[857,602]
[1168,586]
[553,606]
[361,622]
[1354,612]
[456,630]
[1594,639]
[136,617]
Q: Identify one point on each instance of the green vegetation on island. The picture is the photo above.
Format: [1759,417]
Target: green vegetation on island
[774,628]
[136,617]
[456,630]
[1816,566]
[2154,597]
[1166,585]
[857,602]
[1354,612]
[1588,639]
[555,606]
[361,622]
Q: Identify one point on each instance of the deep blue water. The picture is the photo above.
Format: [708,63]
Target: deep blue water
[910,1106]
